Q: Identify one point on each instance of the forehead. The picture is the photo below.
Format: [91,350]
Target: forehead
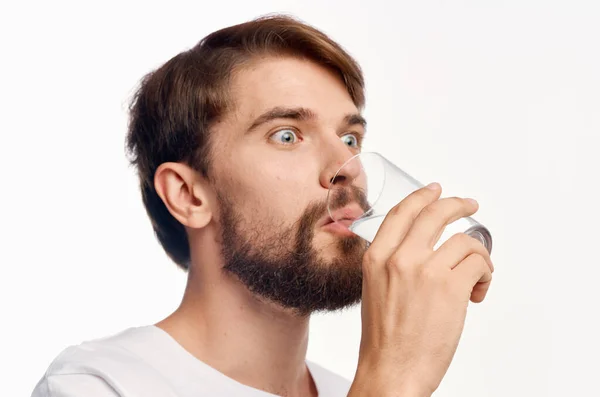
[289,82]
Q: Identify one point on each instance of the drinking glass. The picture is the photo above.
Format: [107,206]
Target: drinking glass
[368,186]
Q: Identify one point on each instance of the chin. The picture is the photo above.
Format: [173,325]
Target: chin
[331,247]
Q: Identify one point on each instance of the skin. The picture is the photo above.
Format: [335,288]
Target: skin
[248,338]
[414,299]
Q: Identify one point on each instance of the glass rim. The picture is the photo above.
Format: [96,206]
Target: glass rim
[371,205]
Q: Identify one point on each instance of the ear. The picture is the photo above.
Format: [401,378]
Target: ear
[184,193]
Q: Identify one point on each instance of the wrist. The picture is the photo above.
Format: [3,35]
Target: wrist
[381,380]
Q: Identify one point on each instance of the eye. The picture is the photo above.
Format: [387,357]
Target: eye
[350,140]
[285,136]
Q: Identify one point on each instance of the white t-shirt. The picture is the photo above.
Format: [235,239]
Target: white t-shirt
[148,362]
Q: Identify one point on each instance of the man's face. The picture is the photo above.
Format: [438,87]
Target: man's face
[293,126]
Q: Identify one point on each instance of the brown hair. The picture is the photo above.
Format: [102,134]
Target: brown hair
[175,105]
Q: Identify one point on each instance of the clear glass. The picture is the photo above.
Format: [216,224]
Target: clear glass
[368,186]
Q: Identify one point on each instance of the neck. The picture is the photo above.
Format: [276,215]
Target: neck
[254,342]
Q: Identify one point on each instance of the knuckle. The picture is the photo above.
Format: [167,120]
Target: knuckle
[371,257]
[483,263]
[394,263]
[475,257]
[442,206]
[463,239]
[418,200]
[455,203]
[468,243]
[432,275]
[398,263]
[393,267]
[475,247]
[397,209]
[430,210]
[411,205]
[480,262]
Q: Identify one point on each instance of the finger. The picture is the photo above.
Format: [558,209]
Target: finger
[456,249]
[473,275]
[480,291]
[399,219]
[431,221]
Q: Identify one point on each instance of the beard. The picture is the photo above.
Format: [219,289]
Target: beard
[282,265]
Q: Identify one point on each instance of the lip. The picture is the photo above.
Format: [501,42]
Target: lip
[348,213]
[345,217]
[340,227]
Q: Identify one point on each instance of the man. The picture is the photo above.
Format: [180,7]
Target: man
[236,142]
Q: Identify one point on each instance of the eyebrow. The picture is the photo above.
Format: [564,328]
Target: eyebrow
[300,114]
[355,119]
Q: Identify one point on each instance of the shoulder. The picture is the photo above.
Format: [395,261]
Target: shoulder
[99,357]
[73,385]
[109,367]
[329,383]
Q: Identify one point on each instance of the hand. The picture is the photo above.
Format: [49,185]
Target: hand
[414,298]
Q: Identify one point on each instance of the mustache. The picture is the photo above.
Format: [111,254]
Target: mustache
[345,195]
[340,197]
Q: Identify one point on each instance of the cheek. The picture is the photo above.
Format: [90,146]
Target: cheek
[271,186]
[279,192]
[275,192]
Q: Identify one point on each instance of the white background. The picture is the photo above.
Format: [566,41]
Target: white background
[496,100]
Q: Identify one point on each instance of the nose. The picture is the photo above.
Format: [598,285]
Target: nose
[340,170]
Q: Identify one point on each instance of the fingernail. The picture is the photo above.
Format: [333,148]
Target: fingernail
[433,186]
[472,201]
